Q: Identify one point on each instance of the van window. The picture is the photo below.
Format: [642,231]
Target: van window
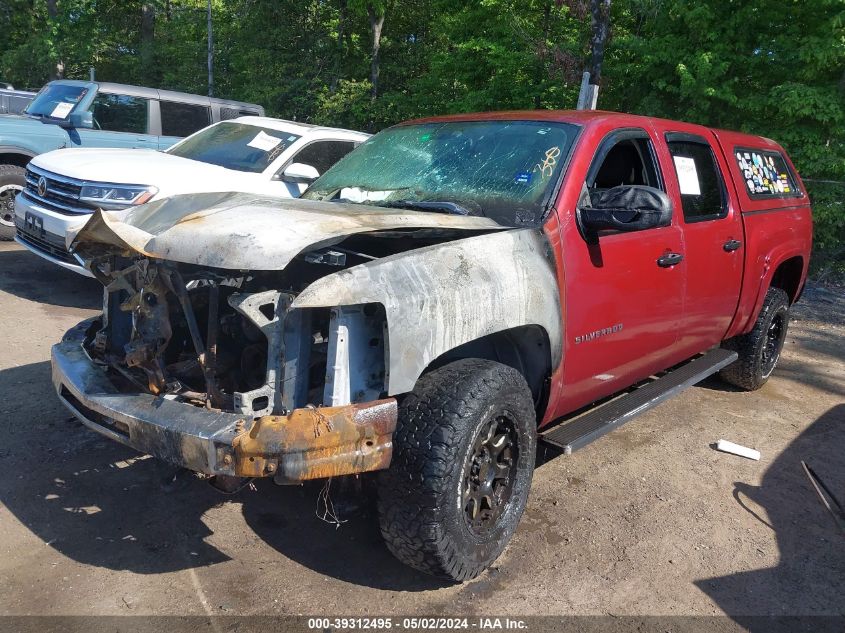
[119,113]
[323,154]
[227,112]
[766,174]
[703,194]
[182,119]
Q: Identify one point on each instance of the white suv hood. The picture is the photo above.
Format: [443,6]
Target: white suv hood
[171,174]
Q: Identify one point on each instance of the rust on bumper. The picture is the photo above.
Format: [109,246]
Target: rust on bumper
[308,443]
[314,443]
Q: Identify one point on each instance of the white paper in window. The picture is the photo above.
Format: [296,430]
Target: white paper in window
[264,142]
[687,176]
[62,110]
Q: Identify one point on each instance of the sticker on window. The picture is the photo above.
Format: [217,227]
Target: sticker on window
[61,110]
[765,174]
[687,176]
[264,142]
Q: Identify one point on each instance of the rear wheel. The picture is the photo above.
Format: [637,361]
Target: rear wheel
[11,184]
[463,459]
[760,349]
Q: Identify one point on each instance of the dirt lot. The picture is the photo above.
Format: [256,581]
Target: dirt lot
[648,520]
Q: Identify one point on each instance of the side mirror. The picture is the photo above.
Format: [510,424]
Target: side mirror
[625,208]
[79,120]
[300,173]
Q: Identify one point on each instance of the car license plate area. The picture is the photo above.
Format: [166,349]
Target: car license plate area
[34,225]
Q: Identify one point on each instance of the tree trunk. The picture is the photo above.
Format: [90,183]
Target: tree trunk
[341,26]
[542,54]
[600,23]
[58,71]
[376,24]
[148,21]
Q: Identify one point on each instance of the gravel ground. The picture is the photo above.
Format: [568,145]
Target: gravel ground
[648,520]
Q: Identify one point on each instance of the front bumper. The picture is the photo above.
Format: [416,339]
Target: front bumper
[48,240]
[309,443]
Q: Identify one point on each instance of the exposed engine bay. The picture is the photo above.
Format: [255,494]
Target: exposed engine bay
[436,280]
[230,341]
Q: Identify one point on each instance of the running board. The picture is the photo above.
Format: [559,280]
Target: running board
[587,427]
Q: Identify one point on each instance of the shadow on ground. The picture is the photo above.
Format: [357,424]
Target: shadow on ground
[30,277]
[94,501]
[811,546]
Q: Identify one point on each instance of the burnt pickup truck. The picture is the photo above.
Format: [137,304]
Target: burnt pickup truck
[448,295]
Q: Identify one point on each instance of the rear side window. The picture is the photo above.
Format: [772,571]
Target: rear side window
[323,154]
[120,113]
[182,119]
[703,195]
[227,112]
[766,174]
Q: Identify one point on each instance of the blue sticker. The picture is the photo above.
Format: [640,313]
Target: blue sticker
[523,177]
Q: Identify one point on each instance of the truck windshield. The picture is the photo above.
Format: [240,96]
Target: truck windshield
[235,146]
[504,170]
[56,101]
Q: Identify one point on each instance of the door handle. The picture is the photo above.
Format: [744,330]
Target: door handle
[669,259]
[731,245]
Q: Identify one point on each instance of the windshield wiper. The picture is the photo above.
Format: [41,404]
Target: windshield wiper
[429,205]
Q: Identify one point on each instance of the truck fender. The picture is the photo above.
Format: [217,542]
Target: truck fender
[11,155]
[771,263]
[439,297]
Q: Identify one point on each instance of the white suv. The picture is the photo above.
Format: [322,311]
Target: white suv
[250,154]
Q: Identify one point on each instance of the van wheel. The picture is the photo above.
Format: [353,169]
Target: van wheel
[759,350]
[12,182]
[463,458]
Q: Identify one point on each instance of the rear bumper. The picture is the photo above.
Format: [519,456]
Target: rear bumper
[308,443]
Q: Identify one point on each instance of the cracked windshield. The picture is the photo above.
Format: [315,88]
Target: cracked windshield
[503,170]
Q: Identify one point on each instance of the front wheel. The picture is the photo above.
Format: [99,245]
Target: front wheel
[12,182]
[759,349]
[463,459]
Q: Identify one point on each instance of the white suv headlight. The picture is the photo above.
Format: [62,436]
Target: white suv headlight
[114,197]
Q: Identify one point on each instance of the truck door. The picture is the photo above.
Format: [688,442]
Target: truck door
[119,121]
[624,296]
[713,235]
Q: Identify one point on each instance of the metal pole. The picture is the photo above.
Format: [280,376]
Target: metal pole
[593,97]
[583,94]
[91,72]
[210,55]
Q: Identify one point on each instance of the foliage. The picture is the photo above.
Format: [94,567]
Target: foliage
[771,67]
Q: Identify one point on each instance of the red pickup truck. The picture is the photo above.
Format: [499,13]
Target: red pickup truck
[447,295]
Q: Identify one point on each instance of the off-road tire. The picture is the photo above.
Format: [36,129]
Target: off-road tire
[420,496]
[751,370]
[9,175]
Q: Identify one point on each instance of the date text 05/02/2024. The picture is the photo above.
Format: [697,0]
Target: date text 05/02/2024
[416,623]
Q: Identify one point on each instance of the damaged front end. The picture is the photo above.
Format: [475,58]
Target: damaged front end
[249,337]
[214,371]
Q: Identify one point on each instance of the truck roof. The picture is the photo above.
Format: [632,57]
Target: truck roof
[580,117]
